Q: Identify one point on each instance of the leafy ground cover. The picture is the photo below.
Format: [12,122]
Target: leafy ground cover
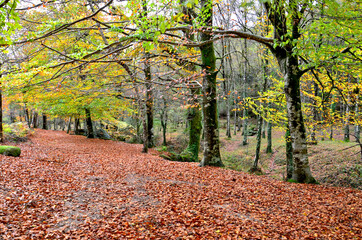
[69,187]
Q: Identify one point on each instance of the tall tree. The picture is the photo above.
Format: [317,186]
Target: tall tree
[212,155]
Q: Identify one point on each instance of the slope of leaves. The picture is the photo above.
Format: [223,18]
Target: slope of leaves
[70,187]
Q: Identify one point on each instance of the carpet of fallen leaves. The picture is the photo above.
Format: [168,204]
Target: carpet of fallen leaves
[70,187]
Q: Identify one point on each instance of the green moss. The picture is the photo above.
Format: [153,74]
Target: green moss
[10,151]
[291,180]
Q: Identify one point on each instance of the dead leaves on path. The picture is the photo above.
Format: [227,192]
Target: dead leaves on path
[70,187]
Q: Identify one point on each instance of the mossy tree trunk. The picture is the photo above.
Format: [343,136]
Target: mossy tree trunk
[212,155]
[286,33]
[88,120]
[194,117]
[289,66]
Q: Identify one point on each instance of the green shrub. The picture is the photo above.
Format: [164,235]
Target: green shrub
[16,132]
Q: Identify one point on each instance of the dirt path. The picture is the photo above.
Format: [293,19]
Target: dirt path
[70,187]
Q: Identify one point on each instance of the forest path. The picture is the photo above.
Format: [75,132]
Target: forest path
[69,186]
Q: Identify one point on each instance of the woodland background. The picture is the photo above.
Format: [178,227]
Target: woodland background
[174,74]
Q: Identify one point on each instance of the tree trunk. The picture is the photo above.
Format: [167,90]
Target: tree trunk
[35,120]
[145,131]
[212,155]
[195,127]
[76,126]
[290,69]
[164,121]
[263,135]
[69,125]
[149,102]
[289,153]
[346,122]
[88,119]
[245,111]
[45,123]
[255,167]
[26,111]
[315,112]
[357,127]
[269,146]
[1,115]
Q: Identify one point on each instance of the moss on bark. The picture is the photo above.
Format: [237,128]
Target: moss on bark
[10,151]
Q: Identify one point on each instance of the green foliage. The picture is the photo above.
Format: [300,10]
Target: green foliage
[16,132]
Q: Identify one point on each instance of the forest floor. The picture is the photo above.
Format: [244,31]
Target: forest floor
[69,187]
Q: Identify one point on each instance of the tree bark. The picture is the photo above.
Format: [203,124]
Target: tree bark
[258,143]
[270,139]
[289,153]
[26,112]
[88,119]
[164,121]
[35,120]
[195,127]
[1,115]
[45,123]
[212,155]
[149,103]
[69,125]
[76,126]
[290,69]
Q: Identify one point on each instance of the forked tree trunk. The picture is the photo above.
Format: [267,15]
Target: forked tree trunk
[212,155]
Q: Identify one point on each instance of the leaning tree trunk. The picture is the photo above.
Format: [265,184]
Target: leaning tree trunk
[292,74]
[88,120]
[212,155]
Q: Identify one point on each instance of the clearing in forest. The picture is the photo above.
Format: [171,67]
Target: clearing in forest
[69,186]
